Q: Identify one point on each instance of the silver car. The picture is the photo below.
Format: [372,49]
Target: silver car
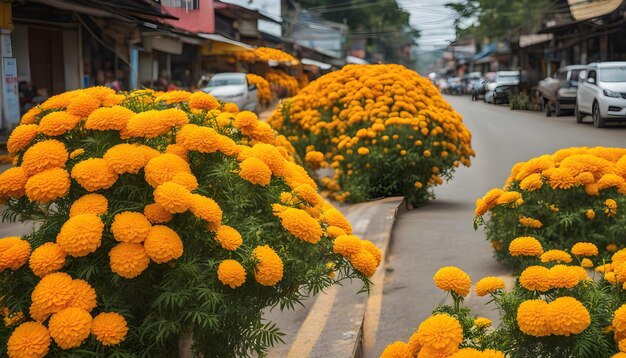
[602,93]
[234,87]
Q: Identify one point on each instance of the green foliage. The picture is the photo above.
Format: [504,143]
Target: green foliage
[521,101]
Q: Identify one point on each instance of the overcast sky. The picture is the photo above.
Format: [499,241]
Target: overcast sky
[435,22]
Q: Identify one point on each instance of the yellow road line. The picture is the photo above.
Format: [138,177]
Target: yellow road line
[373,308]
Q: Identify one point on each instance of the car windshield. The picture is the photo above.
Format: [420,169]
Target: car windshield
[507,78]
[225,80]
[613,74]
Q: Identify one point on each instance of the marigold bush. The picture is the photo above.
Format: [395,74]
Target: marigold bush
[384,130]
[151,229]
[265,92]
[558,199]
[282,83]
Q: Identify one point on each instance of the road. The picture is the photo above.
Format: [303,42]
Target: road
[441,233]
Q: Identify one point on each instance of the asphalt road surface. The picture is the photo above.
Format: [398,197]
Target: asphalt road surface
[441,233]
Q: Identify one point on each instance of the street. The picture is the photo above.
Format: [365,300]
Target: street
[441,233]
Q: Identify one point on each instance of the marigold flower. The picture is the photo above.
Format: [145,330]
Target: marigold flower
[81,235]
[75,153]
[347,245]
[31,116]
[230,108]
[157,214]
[231,273]
[315,157]
[301,225]
[57,123]
[440,332]
[508,197]
[610,207]
[124,158]
[414,344]
[128,260]
[566,315]
[334,231]
[83,105]
[51,295]
[586,263]
[149,153]
[109,118]
[163,244]
[84,296]
[453,279]
[611,247]
[21,137]
[562,276]
[556,256]
[531,318]
[619,319]
[48,185]
[525,246]
[29,340]
[173,197]
[96,204]
[590,214]
[530,222]
[109,328]
[482,322]
[269,269]
[536,278]
[172,97]
[13,182]
[178,150]
[70,327]
[202,101]
[46,259]
[206,209]
[14,253]
[492,196]
[94,174]
[162,169]
[397,350]
[584,249]
[271,156]
[245,120]
[372,249]
[532,182]
[196,138]
[228,237]
[364,262]
[255,171]
[619,257]
[487,285]
[148,124]
[44,155]
[130,227]
[334,217]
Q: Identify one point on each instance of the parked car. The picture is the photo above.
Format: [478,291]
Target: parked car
[558,93]
[455,86]
[478,91]
[500,90]
[234,87]
[602,93]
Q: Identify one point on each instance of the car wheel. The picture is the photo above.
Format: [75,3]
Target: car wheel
[557,109]
[577,114]
[547,107]
[598,121]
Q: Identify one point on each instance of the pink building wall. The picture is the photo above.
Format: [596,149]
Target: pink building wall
[200,20]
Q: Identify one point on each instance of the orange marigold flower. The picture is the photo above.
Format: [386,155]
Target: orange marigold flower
[84,296]
[172,97]
[440,332]
[196,138]
[487,285]
[173,117]
[173,197]
[308,194]
[96,204]
[228,237]
[70,327]
[531,318]
[163,244]
[14,253]
[51,295]
[334,231]
[130,227]
[586,263]
[109,328]
[57,123]
[245,120]
[31,116]
[124,158]
[148,124]
[414,344]
[206,209]
[128,260]
[109,118]
[508,197]
[44,155]
[13,182]
[75,153]
[561,178]
[231,273]
[347,245]
[94,174]
[364,262]
[611,247]
[590,214]
[584,249]
[59,101]
[178,150]
[556,256]
[83,105]
[525,246]
[230,108]
[453,279]
[530,222]
[372,249]
[48,185]
[334,217]
[532,182]
[610,207]
[271,156]
[397,350]
[566,315]
[255,171]
[301,225]
[619,319]
[21,137]
[149,153]
[81,235]
[157,214]
[482,322]
[562,276]
[29,340]
[187,180]
[536,278]
[202,101]
[611,180]
[315,157]
[269,269]
[46,259]
[162,169]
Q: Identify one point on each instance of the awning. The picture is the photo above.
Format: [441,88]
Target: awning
[585,10]
[310,62]
[356,60]
[529,40]
[226,40]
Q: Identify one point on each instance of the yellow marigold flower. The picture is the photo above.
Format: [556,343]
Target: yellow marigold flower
[206,209]
[619,257]
[440,332]
[561,178]
[610,207]
[427,153]
[51,295]
[414,344]
[482,322]
[584,249]
[230,108]
[84,296]
[609,180]
[611,277]
[301,225]
[187,180]
[525,246]
[124,158]
[308,194]
[130,227]
[315,157]
[81,235]
[620,272]
[364,262]
[363,151]
[271,156]
[109,118]
[619,319]
[44,155]
[172,97]
[532,182]
[453,279]
[109,328]
[29,340]
[334,231]
[70,327]
[76,153]
[492,196]
[530,222]
[128,260]
[562,276]
[156,214]
[149,153]
[96,204]
[556,256]
[173,197]
[566,315]
[481,207]
[347,245]
[531,318]
[372,249]
[94,174]
[173,117]
[148,124]
[228,237]
[255,171]
[196,138]
[46,259]
[83,105]
[397,350]
[21,137]
[57,123]
[163,244]
[488,285]
[14,253]
[48,185]
[536,278]
[611,247]
[31,116]
[508,197]
[269,270]
[231,273]
[178,150]
[622,345]
[245,120]
[590,214]
[162,169]
[586,263]
[13,182]
[202,101]
[334,217]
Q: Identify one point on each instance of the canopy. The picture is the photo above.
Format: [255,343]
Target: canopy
[223,45]
[310,62]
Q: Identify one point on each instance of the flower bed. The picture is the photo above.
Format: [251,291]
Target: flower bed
[384,130]
[282,83]
[571,195]
[160,215]
[265,92]
[267,54]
